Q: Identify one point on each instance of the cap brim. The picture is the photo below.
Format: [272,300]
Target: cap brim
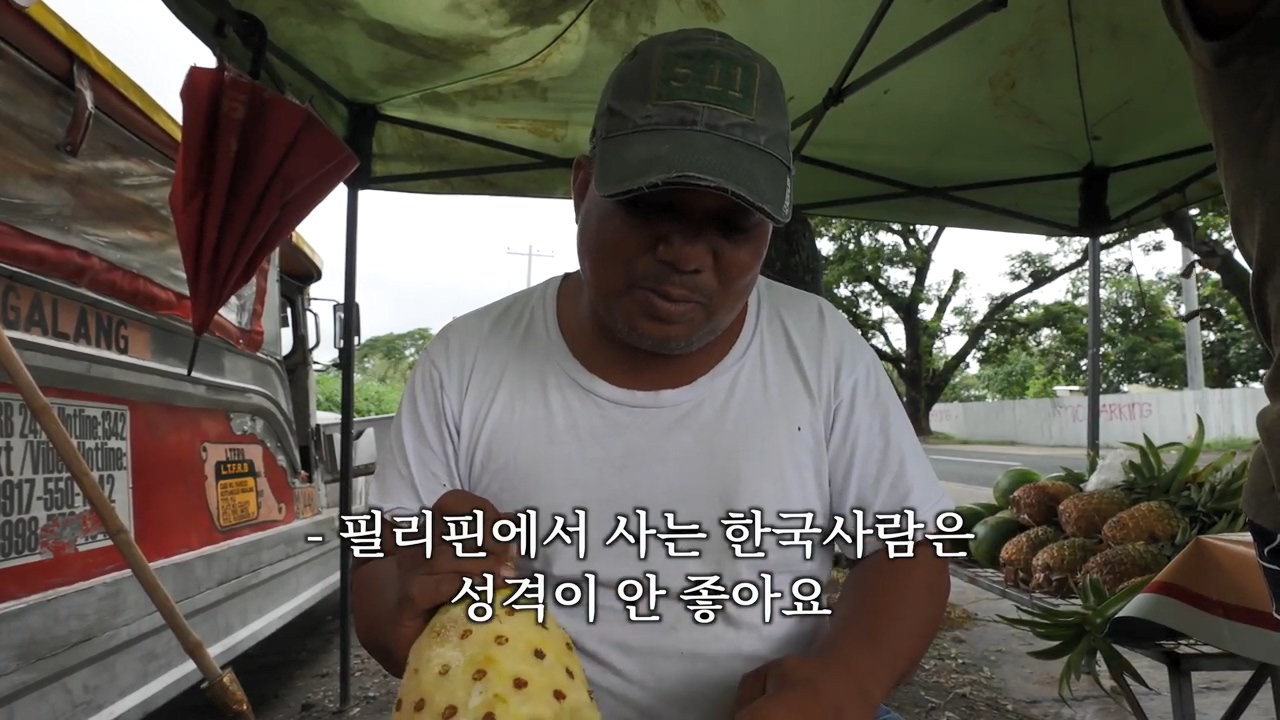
[640,162]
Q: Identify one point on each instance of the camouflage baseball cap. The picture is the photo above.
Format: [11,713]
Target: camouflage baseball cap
[695,108]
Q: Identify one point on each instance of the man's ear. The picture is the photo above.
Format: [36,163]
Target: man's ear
[582,174]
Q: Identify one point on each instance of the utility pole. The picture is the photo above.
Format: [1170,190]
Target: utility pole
[1191,303]
[530,255]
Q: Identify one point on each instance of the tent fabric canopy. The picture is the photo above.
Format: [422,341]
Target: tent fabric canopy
[1046,116]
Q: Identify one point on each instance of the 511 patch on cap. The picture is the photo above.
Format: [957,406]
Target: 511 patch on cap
[710,76]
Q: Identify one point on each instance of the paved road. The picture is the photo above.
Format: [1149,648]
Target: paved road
[980,465]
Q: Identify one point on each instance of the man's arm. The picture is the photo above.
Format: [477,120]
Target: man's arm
[890,608]
[417,463]
[887,615]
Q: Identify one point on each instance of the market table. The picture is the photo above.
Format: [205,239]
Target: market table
[1207,611]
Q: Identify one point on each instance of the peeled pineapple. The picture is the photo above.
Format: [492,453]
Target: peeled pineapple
[510,667]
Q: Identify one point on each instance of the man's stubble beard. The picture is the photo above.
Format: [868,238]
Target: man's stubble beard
[635,338]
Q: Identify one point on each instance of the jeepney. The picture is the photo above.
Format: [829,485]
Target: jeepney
[220,475]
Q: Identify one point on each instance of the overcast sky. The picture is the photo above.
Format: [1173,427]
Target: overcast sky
[426,259]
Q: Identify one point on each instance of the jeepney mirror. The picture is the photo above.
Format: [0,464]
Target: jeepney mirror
[339,317]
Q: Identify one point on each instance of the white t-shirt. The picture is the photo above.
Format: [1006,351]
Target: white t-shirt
[800,417]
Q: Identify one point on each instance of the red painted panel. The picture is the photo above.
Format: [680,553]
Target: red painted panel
[190,474]
[47,258]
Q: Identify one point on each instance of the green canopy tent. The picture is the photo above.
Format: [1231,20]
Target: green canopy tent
[1059,117]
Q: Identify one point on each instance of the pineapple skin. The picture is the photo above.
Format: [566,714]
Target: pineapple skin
[1119,565]
[1017,554]
[1085,514]
[1055,567]
[1037,503]
[1154,521]
[507,668]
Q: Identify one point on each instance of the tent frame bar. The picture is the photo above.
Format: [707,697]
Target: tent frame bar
[833,98]
[1009,182]
[928,41]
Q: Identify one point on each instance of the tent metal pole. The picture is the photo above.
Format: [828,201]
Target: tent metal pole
[347,359]
[1094,217]
[1095,343]
[362,120]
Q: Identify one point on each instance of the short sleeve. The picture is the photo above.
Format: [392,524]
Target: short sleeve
[418,457]
[877,463]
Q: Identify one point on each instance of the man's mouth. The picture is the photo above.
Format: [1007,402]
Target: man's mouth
[675,295]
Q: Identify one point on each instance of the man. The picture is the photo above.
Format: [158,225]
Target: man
[666,375]
[1234,46]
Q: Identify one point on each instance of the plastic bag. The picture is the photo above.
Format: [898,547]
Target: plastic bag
[1110,471]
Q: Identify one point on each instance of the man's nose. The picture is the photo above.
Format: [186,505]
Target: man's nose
[685,249]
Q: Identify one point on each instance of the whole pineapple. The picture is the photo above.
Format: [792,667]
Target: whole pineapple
[1055,567]
[1154,521]
[510,667]
[1037,504]
[1084,514]
[1117,566]
[1016,555]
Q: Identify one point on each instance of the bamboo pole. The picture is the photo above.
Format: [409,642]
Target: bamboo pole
[222,687]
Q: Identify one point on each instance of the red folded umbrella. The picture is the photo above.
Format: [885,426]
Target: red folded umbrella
[252,164]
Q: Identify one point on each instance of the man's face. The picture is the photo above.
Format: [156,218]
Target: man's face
[666,271]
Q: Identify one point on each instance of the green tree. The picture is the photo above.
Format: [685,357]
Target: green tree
[1206,232]
[382,368]
[372,397]
[1232,353]
[390,357]
[878,274]
[1143,339]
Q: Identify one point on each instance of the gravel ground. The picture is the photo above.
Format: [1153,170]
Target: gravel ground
[293,675]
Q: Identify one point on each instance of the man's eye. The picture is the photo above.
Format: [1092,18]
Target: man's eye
[641,207]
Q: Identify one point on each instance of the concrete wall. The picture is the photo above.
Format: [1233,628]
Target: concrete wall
[1164,416]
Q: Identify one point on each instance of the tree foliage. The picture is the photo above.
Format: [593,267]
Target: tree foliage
[1143,339]
[382,366]
[390,357]
[879,276]
[372,397]
[1046,344]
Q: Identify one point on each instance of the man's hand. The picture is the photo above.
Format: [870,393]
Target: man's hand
[422,585]
[797,687]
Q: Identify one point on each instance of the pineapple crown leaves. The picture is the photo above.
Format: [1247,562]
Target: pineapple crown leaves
[1220,470]
[1211,501]
[1190,531]
[1149,476]
[1075,477]
[1079,635]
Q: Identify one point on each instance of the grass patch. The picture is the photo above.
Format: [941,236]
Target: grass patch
[1240,444]
[941,438]
[1225,444]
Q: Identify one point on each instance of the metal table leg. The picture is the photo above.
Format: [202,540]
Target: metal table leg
[1275,689]
[1245,697]
[1181,691]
